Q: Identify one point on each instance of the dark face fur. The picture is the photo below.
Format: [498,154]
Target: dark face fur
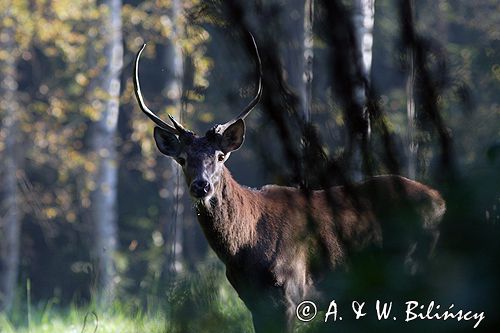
[202,158]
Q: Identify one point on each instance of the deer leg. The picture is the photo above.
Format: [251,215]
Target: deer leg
[290,314]
[421,250]
[267,308]
[266,304]
[410,263]
[295,291]
[269,317]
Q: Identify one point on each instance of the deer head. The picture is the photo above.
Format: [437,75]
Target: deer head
[201,158]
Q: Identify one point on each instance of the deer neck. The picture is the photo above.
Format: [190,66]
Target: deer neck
[229,218]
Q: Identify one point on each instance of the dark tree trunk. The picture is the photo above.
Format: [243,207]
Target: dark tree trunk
[293,24]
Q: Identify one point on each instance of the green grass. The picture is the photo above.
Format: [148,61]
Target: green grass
[116,319]
[199,302]
[220,317]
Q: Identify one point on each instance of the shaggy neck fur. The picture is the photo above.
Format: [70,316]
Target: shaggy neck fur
[229,218]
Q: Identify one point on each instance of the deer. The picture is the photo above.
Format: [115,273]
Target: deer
[275,242]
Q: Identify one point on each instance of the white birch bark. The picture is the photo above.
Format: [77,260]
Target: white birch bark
[412,144]
[308,56]
[364,16]
[172,209]
[103,146]
[363,19]
[10,219]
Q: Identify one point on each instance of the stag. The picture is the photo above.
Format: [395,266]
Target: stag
[276,242]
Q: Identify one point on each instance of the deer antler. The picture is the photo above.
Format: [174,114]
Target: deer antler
[246,111]
[177,129]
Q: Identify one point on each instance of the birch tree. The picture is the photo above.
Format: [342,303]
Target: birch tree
[172,190]
[103,149]
[364,15]
[10,219]
[412,145]
[363,19]
[308,56]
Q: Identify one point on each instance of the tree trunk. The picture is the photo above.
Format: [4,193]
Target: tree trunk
[364,14]
[308,56]
[293,25]
[412,143]
[171,210]
[363,19]
[103,149]
[10,220]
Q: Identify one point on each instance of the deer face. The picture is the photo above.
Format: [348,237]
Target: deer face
[202,158]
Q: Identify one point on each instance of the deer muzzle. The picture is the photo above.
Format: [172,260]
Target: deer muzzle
[200,188]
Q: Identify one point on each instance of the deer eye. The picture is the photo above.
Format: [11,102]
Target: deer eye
[181,161]
[221,157]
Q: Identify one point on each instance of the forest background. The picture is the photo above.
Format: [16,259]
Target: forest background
[96,228]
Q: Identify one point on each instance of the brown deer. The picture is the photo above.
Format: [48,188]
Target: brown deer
[276,241]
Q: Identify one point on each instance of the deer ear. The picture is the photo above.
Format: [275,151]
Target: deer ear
[167,142]
[233,136]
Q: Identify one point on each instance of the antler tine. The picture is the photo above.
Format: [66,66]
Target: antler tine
[137,88]
[177,125]
[246,111]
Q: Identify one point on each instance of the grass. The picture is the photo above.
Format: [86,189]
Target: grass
[199,302]
[120,318]
[116,319]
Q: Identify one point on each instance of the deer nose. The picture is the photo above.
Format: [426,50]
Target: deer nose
[200,188]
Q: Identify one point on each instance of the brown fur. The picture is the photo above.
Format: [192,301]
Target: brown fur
[267,237]
[277,242]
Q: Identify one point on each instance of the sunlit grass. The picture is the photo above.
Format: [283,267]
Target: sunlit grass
[202,301]
[116,319]
[223,315]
